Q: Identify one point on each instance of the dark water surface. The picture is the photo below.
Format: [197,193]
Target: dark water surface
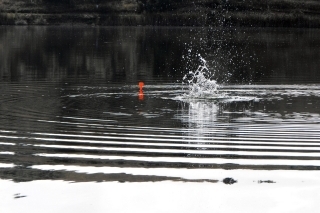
[71,109]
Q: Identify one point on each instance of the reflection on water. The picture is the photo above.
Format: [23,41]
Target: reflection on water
[99,54]
[82,133]
[72,107]
[62,54]
[198,114]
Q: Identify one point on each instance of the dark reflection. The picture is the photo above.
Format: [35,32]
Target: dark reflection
[287,56]
[157,54]
[264,55]
[109,54]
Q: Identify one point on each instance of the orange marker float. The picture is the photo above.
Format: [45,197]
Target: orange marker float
[141,95]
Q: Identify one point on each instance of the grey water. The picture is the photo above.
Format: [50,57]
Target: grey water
[71,108]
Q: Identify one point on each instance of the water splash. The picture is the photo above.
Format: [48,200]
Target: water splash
[203,87]
[200,82]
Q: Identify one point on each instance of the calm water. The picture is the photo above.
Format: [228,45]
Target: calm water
[71,109]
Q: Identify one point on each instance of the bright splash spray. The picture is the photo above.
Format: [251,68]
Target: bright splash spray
[201,84]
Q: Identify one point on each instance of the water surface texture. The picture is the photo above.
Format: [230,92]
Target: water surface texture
[71,108]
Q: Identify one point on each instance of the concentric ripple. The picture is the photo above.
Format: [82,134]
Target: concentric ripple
[109,133]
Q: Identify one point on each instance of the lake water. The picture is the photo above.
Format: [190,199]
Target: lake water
[77,133]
